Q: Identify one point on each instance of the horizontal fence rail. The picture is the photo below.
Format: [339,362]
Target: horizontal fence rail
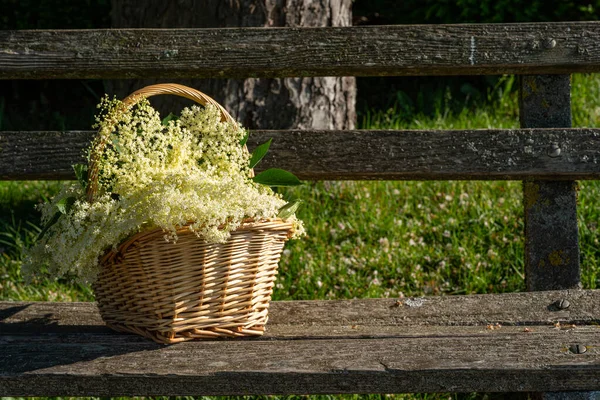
[361,154]
[490,343]
[532,48]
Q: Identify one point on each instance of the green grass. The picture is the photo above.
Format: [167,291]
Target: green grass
[19,226]
[388,239]
[377,239]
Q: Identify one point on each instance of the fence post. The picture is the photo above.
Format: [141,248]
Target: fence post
[551,233]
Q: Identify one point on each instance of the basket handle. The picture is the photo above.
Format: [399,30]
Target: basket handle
[131,100]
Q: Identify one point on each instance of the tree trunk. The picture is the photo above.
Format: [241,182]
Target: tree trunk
[303,103]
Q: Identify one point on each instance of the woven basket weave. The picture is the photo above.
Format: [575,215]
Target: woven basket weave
[173,292]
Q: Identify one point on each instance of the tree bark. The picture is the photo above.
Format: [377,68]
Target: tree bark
[301,103]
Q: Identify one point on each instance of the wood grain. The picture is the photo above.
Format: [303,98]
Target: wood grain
[432,344]
[355,155]
[531,48]
[527,308]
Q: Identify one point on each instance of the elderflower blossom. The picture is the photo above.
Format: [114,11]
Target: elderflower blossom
[192,172]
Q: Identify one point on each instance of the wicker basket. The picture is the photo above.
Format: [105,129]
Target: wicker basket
[191,289]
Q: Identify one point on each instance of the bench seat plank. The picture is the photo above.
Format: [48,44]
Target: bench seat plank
[432,344]
[560,154]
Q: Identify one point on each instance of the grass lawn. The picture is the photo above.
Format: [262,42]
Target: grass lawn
[376,239]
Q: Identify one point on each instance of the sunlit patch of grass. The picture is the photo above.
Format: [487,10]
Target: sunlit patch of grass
[382,239]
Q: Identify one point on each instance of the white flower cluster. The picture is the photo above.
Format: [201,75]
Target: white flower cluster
[192,172]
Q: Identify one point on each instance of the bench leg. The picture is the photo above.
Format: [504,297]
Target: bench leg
[551,233]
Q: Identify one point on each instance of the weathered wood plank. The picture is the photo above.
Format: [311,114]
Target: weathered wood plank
[484,362]
[355,346]
[539,48]
[551,233]
[329,155]
[528,308]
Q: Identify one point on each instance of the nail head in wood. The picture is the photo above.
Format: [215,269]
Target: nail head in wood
[550,43]
[578,348]
[562,304]
[554,151]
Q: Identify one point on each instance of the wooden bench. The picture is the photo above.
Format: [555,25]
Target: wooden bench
[549,340]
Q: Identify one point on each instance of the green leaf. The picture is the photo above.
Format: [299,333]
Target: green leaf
[259,153]
[245,138]
[64,205]
[49,224]
[81,172]
[289,209]
[170,117]
[115,142]
[277,177]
